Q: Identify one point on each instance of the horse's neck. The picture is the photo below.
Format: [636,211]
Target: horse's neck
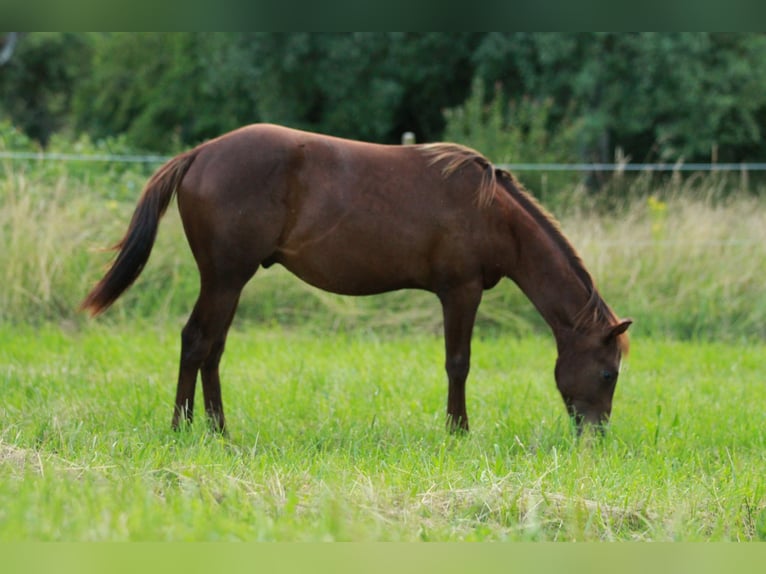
[547,275]
[554,289]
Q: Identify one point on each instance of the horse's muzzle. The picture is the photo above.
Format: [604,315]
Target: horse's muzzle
[589,419]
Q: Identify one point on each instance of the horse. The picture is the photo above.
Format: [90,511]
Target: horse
[358,218]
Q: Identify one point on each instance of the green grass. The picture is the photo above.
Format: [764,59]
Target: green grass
[339,436]
[336,405]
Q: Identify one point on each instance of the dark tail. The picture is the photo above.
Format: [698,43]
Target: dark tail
[135,247]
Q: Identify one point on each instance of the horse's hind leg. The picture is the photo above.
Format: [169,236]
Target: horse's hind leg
[202,343]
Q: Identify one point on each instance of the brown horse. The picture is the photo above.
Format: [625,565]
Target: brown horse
[358,219]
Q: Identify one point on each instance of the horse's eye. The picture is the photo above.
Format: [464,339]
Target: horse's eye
[608,376]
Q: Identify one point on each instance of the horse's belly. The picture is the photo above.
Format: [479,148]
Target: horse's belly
[350,272]
[362,256]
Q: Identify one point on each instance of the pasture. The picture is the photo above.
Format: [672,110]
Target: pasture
[335,405]
[340,437]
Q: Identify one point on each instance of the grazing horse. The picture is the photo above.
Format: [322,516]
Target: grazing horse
[358,219]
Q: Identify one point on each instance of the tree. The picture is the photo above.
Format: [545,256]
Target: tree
[160,88]
[656,95]
[370,86]
[516,131]
[37,82]
[163,89]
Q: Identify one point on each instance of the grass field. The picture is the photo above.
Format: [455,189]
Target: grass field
[336,405]
[339,436]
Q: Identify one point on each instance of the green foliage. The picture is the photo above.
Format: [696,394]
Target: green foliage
[655,95]
[88,166]
[13,138]
[161,89]
[519,131]
[337,83]
[699,91]
[371,86]
[37,84]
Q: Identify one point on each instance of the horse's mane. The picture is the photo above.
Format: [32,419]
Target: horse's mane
[455,156]
[596,311]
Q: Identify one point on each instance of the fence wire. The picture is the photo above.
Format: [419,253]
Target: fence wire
[577,167]
[74,157]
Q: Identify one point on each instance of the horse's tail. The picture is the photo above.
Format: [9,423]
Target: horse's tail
[134,248]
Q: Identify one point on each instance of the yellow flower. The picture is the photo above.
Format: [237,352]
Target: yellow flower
[656,206]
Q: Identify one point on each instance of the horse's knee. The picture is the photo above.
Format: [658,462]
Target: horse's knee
[457,367]
[194,348]
[214,355]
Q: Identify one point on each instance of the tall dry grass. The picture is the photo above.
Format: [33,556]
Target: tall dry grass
[52,234]
[43,229]
[685,266]
[686,262]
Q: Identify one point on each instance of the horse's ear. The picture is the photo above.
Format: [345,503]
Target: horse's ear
[618,329]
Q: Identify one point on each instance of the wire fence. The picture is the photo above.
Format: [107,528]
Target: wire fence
[634,167]
[74,157]
[560,167]
[616,168]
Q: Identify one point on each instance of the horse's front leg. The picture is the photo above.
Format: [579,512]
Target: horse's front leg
[459,306]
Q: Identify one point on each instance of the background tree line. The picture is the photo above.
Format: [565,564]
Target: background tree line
[570,96]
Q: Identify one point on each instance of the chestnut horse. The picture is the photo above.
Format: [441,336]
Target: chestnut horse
[358,219]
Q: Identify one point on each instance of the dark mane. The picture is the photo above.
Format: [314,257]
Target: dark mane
[595,312]
[455,156]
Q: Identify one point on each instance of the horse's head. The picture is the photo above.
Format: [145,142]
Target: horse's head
[587,369]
